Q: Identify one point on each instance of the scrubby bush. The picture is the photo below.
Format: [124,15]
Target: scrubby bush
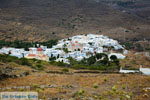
[24,61]
[38,66]
[78,66]
[43,88]
[37,90]
[123,87]
[114,88]
[123,75]
[80,92]
[39,61]
[65,70]
[44,97]
[8,58]
[95,85]
[95,97]
[60,63]
[105,79]
[11,59]
[21,89]
[139,48]
[35,86]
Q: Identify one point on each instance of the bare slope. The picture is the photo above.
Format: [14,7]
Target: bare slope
[40,20]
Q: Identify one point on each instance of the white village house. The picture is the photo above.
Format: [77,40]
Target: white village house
[79,47]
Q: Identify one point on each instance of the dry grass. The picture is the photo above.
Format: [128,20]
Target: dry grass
[134,83]
[134,60]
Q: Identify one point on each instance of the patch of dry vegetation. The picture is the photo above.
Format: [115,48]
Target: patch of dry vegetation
[67,85]
[135,59]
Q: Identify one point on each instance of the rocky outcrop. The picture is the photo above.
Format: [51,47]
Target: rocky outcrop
[7,71]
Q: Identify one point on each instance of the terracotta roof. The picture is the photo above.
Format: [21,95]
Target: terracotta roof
[73,44]
[30,49]
[31,55]
[76,41]
[41,55]
[44,55]
[39,49]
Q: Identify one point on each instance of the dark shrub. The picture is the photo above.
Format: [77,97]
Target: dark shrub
[65,70]
[24,61]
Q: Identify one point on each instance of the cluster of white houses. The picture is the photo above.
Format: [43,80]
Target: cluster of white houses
[77,47]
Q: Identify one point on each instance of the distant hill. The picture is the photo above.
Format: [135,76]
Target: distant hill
[41,20]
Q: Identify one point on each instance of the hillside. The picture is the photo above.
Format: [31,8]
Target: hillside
[40,20]
[55,84]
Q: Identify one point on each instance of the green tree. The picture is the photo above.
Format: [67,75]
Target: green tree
[105,61]
[58,56]
[91,60]
[113,57]
[52,58]
[65,50]
[116,62]
[99,55]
